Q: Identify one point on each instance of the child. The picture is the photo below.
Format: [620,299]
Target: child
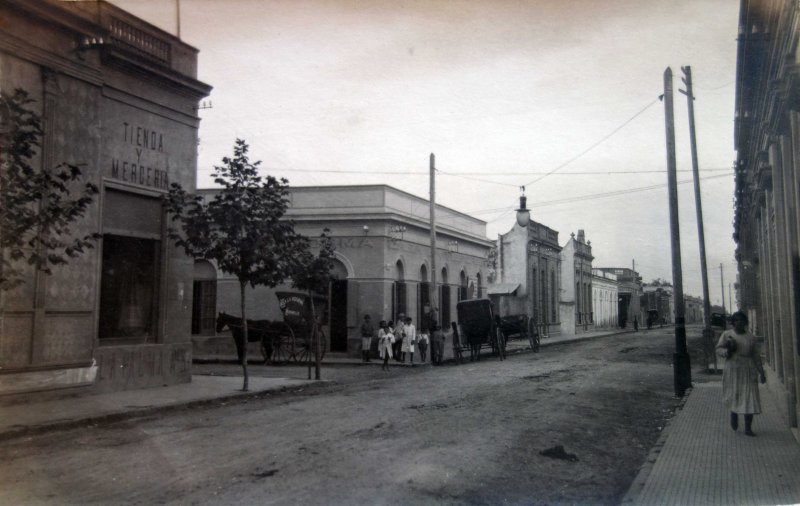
[385,342]
[422,343]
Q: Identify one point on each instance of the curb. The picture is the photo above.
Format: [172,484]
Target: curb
[119,416]
[637,485]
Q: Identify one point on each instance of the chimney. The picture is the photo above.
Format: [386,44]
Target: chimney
[581,236]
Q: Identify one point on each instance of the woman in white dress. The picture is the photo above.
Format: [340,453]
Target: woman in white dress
[743,370]
[410,340]
[385,342]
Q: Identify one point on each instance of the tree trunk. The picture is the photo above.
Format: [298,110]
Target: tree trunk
[315,337]
[246,384]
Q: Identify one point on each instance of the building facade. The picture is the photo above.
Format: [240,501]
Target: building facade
[576,285]
[605,295]
[767,210]
[658,302]
[630,292]
[382,267]
[119,97]
[529,275]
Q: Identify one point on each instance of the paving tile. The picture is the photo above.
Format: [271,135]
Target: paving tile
[704,462]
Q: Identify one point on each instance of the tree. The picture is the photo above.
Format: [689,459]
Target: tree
[240,228]
[313,275]
[36,211]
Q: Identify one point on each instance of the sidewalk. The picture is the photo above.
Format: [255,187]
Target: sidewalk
[700,460]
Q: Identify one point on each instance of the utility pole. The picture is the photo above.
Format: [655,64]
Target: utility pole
[730,298]
[681,368]
[722,287]
[432,293]
[708,333]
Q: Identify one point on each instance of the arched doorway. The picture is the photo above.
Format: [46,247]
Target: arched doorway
[337,312]
[423,299]
[444,300]
[399,292]
[204,299]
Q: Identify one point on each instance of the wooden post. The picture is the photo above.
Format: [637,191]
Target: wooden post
[681,367]
[432,295]
[708,334]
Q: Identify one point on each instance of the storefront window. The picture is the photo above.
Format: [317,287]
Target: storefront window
[128,292]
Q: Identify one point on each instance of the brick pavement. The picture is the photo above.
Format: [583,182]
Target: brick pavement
[700,460]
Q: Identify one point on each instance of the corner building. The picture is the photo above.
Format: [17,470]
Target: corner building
[382,265]
[118,96]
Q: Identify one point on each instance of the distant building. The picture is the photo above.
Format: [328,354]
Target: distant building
[605,295]
[529,275]
[658,297]
[630,291]
[382,267]
[694,309]
[576,285]
[120,97]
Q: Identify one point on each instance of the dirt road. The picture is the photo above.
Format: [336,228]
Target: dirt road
[430,435]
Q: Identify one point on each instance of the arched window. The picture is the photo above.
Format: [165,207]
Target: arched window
[553,289]
[462,289]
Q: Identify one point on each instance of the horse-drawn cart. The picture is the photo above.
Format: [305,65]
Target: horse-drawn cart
[478,328]
[297,342]
[519,326]
[281,341]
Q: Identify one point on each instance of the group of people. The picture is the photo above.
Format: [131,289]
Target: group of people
[400,341]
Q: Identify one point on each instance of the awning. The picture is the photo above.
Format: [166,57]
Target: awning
[503,289]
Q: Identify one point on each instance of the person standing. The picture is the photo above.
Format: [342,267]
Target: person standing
[409,340]
[422,343]
[437,346]
[367,331]
[399,336]
[743,370]
[385,342]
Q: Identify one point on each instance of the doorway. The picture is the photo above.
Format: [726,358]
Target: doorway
[338,315]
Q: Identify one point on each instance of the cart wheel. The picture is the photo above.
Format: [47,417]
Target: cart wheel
[283,345]
[304,352]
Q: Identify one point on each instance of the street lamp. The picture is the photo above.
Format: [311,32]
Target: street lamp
[523,214]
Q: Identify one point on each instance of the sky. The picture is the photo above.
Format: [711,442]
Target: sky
[561,96]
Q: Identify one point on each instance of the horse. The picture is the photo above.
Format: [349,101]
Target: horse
[257,330]
[474,338]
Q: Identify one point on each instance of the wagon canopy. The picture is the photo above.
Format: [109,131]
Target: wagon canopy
[503,289]
[476,318]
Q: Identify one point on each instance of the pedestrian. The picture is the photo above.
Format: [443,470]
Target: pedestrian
[743,370]
[636,324]
[409,340]
[367,331]
[399,336]
[437,345]
[422,343]
[385,342]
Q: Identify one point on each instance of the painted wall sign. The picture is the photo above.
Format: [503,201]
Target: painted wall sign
[147,165]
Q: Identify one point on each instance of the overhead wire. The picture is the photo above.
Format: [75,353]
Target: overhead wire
[592,196]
